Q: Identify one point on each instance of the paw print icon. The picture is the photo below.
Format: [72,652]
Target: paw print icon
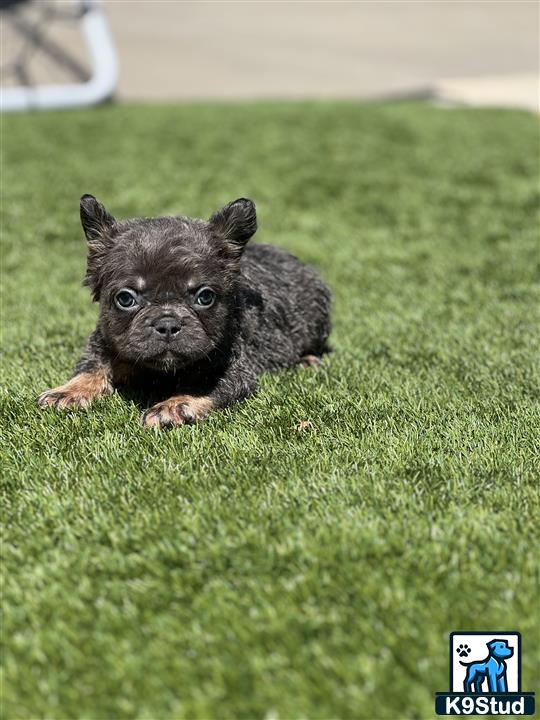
[463,650]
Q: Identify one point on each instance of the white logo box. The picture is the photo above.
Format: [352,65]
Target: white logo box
[477,642]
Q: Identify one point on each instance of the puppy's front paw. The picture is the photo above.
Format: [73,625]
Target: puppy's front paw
[311,361]
[178,410]
[78,392]
[61,398]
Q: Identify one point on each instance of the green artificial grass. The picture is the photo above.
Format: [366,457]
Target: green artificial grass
[243,568]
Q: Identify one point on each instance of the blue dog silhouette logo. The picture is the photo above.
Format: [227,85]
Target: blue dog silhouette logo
[492,668]
[485,676]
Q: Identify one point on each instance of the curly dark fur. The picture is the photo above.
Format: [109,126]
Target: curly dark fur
[269,311]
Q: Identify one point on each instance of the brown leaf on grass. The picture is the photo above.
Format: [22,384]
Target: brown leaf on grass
[303,425]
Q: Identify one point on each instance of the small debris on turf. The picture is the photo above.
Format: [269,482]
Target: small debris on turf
[303,425]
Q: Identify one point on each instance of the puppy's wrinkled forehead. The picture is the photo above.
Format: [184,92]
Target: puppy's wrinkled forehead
[165,255]
[164,249]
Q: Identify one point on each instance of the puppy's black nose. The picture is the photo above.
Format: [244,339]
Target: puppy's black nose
[167,327]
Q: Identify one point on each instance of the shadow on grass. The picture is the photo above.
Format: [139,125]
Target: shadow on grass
[148,388]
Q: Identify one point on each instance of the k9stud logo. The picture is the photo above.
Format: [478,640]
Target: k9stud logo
[485,676]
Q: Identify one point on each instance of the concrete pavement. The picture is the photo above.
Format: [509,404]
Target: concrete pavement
[183,50]
[475,52]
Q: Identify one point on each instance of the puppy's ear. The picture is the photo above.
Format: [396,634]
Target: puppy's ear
[236,222]
[96,221]
[100,228]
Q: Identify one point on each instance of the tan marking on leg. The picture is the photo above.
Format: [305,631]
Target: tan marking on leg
[77,392]
[311,361]
[177,410]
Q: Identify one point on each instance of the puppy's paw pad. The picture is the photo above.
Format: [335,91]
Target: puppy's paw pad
[181,410]
[463,650]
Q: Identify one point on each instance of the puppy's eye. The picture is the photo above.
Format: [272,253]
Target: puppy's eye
[205,297]
[125,299]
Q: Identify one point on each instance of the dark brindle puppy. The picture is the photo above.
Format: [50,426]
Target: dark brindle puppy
[185,301]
